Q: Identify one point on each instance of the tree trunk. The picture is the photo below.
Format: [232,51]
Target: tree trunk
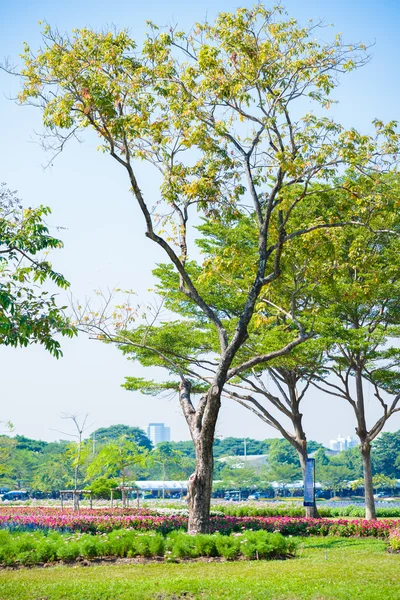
[202,422]
[311,511]
[365,446]
[200,488]
[370,511]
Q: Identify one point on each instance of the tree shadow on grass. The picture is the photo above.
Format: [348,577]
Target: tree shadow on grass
[327,543]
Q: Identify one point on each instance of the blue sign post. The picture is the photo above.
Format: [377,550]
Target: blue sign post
[309,483]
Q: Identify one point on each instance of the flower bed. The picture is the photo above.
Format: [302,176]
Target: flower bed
[98,520]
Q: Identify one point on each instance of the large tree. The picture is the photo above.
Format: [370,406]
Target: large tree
[359,295]
[28,314]
[219,114]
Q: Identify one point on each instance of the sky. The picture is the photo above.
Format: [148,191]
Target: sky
[102,230]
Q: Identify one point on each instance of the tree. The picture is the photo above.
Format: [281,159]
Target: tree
[385,454]
[24,443]
[28,315]
[116,459]
[54,472]
[334,477]
[231,446]
[284,474]
[349,288]
[77,452]
[102,487]
[216,113]
[381,481]
[22,467]
[165,456]
[6,447]
[241,478]
[360,298]
[135,434]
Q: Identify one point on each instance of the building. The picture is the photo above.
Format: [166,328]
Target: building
[342,443]
[157,432]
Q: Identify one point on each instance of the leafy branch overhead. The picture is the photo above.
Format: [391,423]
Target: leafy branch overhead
[27,314]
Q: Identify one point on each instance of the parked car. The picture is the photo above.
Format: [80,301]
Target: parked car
[233,496]
[15,495]
[255,496]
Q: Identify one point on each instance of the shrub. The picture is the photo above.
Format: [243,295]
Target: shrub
[206,545]
[121,542]
[89,546]
[261,544]
[46,550]
[228,547]
[68,551]
[181,545]
[157,544]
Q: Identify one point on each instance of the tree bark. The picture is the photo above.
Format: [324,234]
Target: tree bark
[362,432]
[202,422]
[370,510]
[200,488]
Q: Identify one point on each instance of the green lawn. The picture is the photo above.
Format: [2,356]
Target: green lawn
[326,568]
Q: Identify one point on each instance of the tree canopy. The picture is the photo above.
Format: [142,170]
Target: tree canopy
[28,315]
[113,432]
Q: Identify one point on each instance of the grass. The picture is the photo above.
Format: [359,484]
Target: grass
[326,569]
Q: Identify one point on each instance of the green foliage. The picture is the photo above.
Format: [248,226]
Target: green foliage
[228,547]
[154,102]
[261,544]
[27,314]
[113,432]
[34,548]
[102,486]
[386,454]
[117,459]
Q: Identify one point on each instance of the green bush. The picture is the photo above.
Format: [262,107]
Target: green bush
[206,545]
[156,544]
[46,550]
[89,546]
[68,551]
[39,547]
[121,542]
[281,510]
[181,545]
[227,546]
[261,544]
[292,510]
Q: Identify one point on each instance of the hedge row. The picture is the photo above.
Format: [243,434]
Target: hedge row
[39,547]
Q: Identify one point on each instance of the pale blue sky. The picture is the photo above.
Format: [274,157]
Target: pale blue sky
[104,242]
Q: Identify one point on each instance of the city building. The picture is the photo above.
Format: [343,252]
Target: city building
[342,443]
[157,432]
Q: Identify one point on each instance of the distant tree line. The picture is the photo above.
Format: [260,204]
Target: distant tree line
[120,454]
